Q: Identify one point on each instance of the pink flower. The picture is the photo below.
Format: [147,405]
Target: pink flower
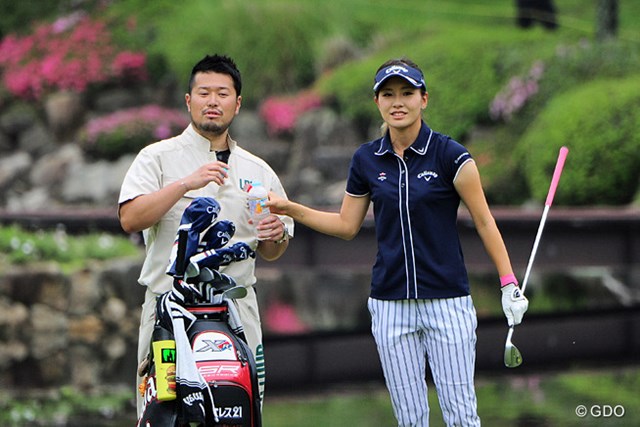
[282,318]
[130,64]
[64,23]
[281,114]
[514,96]
[71,53]
[152,120]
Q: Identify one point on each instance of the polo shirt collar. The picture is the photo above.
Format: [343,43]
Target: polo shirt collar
[203,143]
[420,145]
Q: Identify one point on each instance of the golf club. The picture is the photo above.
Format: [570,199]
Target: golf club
[512,356]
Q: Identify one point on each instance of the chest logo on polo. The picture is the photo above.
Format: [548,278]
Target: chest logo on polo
[382,177]
[427,175]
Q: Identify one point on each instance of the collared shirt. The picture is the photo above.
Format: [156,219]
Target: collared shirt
[163,163]
[415,208]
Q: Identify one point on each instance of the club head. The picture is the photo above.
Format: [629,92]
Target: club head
[512,356]
[223,282]
[237,292]
[206,275]
[192,270]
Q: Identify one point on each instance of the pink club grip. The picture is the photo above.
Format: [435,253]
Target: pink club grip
[556,175]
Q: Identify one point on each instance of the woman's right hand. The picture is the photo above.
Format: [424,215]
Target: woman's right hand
[277,205]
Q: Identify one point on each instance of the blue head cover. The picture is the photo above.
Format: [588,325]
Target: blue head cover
[201,213]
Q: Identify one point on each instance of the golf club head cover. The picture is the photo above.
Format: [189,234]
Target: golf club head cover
[201,213]
[215,258]
[514,304]
[217,236]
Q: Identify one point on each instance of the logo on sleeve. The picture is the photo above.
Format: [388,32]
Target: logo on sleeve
[382,177]
[461,156]
[427,175]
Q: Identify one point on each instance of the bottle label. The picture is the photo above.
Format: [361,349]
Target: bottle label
[164,354]
[257,207]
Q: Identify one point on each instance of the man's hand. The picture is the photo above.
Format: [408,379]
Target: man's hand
[514,304]
[211,172]
[271,229]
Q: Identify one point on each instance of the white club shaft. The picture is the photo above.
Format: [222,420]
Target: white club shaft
[535,248]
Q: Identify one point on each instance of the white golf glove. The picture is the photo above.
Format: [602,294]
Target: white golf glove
[514,304]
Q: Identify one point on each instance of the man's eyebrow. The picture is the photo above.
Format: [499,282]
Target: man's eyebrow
[213,87]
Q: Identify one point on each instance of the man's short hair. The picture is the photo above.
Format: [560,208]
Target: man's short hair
[217,64]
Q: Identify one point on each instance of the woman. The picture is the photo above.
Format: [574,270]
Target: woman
[420,301]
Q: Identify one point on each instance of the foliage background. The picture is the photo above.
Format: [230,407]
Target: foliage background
[469,50]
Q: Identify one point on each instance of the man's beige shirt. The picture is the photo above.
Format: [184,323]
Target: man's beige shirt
[171,160]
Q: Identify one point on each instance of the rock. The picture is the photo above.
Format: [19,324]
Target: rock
[114,347]
[96,183]
[6,145]
[112,100]
[49,171]
[12,167]
[119,278]
[49,331]
[18,118]
[32,200]
[13,284]
[333,162]
[251,134]
[64,111]
[86,329]
[85,369]
[54,291]
[37,141]
[12,314]
[85,294]
[113,311]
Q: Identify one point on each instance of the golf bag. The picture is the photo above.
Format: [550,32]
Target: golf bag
[201,371]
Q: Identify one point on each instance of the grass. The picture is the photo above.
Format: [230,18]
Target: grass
[548,399]
[510,399]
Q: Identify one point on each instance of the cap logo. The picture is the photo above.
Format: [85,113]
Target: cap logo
[408,73]
[396,69]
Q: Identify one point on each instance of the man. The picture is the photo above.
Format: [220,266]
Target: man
[201,162]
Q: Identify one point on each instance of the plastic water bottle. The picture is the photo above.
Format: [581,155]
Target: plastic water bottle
[258,196]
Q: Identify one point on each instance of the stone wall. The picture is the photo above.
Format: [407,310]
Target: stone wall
[81,328]
[60,328]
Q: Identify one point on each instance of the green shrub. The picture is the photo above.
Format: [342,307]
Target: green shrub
[461,85]
[273,43]
[18,246]
[598,123]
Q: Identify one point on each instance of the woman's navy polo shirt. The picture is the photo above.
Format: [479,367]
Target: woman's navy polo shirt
[415,208]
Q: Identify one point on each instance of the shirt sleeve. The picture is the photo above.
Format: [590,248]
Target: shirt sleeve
[357,184]
[143,177]
[456,156]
